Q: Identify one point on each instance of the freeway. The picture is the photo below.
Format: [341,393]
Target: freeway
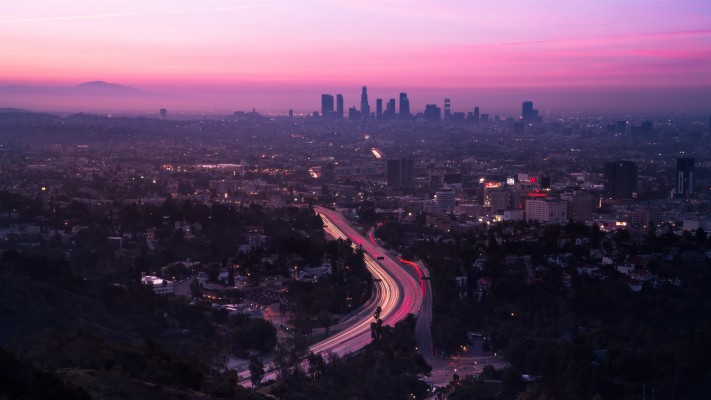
[397,291]
[402,293]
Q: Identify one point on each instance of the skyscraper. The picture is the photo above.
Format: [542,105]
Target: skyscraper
[326,106]
[379,108]
[400,173]
[684,177]
[529,115]
[447,109]
[389,109]
[620,180]
[404,106]
[364,107]
[432,112]
[339,106]
[354,114]
[163,113]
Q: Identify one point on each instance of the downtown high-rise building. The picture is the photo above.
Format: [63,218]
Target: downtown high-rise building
[620,180]
[432,112]
[339,106]
[474,116]
[379,108]
[447,109]
[354,114]
[364,106]
[390,109]
[684,177]
[404,106]
[529,115]
[326,106]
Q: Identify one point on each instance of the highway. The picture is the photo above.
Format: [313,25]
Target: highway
[397,290]
[402,292]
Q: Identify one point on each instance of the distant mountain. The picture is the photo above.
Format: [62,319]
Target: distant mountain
[14,111]
[101,87]
[95,96]
[94,88]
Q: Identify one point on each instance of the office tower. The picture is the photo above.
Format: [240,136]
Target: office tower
[163,113]
[447,109]
[353,114]
[394,173]
[339,106]
[291,113]
[529,115]
[499,199]
[684,177]
[326,106]
[400,173]
[404,106]
[476,114]
[379,108]
[620,180]
[364,107]
[527,109]
[444,201]
[390,108]
[432,112]
[547,210]
[580,205]
[457,116]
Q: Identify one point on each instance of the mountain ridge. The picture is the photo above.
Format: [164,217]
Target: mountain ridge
[94,88]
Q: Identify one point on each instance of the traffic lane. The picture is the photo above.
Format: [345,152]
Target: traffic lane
[399,292]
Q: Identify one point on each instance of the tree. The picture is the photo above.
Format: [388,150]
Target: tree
[325,320]
[317,366]
[700,236]
[195,289]
[230,276]
[258,334]
[595,234]
[256,370]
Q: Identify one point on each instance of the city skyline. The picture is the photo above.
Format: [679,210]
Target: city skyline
[221,55]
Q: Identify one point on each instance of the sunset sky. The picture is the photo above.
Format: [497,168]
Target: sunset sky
[280,54]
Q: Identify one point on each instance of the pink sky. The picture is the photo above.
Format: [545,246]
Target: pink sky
[261,52]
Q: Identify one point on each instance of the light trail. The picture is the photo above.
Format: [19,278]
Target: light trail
[396,291]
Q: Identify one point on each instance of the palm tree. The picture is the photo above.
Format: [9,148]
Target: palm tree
[256,370]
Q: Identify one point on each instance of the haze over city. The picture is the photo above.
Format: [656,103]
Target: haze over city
[364,199]
[605,56]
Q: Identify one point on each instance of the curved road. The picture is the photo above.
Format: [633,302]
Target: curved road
[400,292]
[396,290]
